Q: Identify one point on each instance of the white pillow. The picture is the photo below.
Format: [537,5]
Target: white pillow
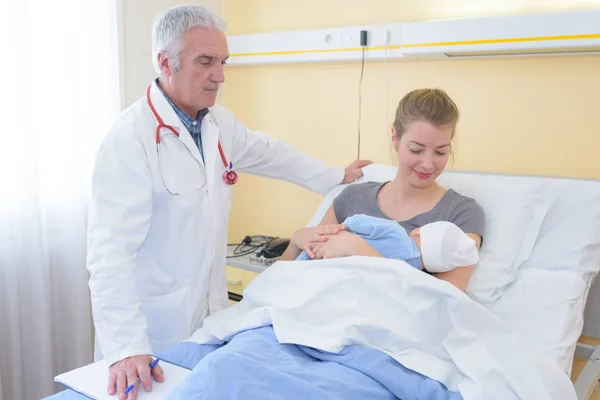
[569,240]
[514,211]
[569,237]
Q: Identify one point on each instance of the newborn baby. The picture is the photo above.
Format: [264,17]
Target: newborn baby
[443,247]
[436,247]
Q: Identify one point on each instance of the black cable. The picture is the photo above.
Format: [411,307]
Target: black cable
[251,244]
[362,70]
[247,250]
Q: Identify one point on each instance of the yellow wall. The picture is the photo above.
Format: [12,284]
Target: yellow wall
[528,115]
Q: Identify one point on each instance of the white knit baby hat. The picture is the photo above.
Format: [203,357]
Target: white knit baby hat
[444,246]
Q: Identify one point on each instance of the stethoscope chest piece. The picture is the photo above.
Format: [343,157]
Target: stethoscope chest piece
[230,177]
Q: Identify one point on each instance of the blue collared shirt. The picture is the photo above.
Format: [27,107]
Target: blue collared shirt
[192,125]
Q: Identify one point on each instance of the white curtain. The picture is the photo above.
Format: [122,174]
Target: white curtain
[59,94]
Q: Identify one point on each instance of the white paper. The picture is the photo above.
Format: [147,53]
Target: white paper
[92,380]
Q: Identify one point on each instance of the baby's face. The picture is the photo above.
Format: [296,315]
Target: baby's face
[415,235]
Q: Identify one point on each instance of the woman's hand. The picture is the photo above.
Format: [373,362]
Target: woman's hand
[306,238]
[344,244]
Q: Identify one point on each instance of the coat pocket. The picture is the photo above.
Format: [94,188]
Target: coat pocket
[168,318]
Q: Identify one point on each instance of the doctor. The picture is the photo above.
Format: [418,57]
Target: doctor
[161,198]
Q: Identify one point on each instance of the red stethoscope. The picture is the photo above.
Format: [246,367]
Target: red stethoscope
[230,177]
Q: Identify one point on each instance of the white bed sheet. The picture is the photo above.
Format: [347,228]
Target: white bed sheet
[546,308]
[424,323]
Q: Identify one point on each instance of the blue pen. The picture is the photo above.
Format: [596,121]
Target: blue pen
[130,388]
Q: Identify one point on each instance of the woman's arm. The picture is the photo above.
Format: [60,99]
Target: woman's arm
[306,238]
[291,252]
[344,244]
[461,276]
[362,248]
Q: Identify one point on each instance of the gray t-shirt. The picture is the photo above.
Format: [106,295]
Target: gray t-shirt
[462,211]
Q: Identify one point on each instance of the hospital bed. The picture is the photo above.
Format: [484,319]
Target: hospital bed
[540,256]
[545,273]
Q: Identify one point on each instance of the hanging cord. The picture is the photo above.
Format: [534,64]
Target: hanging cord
[388,131]
[362,70]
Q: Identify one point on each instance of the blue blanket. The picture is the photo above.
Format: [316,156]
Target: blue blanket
[386,236]
[254,365]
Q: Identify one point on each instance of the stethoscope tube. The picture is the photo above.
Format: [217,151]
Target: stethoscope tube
[230,176]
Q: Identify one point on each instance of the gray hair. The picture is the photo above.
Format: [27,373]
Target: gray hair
[170,26]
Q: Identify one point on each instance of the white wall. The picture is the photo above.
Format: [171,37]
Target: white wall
[137,19]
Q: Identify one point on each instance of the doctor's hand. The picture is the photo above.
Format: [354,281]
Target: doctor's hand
[125,372]
[306,238]
[354,170]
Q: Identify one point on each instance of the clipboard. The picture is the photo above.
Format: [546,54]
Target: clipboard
[91,381]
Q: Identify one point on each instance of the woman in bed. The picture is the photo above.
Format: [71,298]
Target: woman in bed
[422,134]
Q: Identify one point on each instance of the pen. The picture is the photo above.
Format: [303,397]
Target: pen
[130,388]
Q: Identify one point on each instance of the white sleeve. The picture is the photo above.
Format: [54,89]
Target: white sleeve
[256,153]
[120,213]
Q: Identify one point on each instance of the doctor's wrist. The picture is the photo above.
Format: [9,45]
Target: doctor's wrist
[135,349]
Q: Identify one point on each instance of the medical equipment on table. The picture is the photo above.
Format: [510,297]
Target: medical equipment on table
[230,176]
[274,249]
[263,246]
[256,259]
[263,250]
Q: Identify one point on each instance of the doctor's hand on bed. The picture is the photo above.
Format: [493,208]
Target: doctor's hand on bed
[306,238]
[344,244]
[125,372]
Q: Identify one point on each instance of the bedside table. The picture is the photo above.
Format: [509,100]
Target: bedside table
[240,272]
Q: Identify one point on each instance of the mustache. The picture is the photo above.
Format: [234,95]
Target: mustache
[212,86]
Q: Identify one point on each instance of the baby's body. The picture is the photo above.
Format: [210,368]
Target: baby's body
[435,247]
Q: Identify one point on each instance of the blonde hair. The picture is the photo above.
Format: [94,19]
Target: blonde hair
[429,105]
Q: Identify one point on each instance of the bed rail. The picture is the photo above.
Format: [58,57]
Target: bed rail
[587,381]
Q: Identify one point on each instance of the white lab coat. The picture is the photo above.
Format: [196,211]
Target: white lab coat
[157,261]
